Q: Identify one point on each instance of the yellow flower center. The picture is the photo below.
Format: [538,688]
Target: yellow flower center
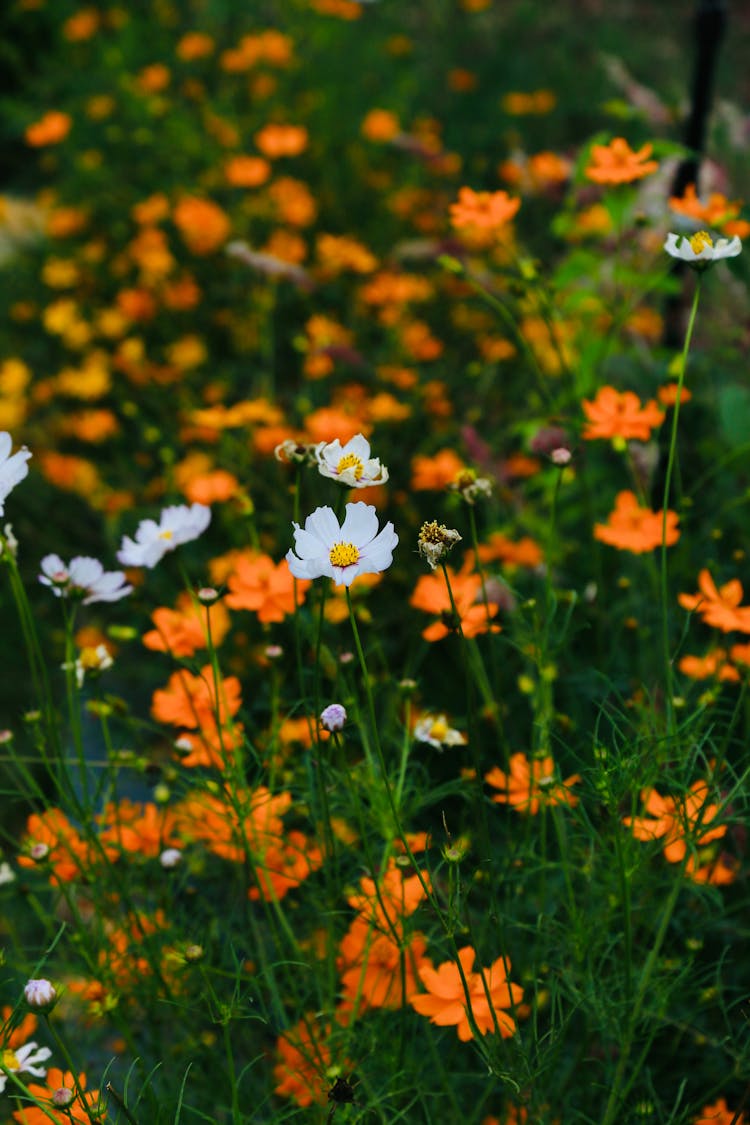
[10,1060]
[166,534]
[701,241]
[438,730]
[351,461]
[343,554]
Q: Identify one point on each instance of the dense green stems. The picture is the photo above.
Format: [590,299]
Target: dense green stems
[667,652]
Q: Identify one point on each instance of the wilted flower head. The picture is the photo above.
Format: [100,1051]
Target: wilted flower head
[333,717]
[435,541]
[297,452]
[177,525]
[40,994]
[471,487]
[350,464]
[93,660]
[699,250]
[84,578]
[325,549]
[12,468]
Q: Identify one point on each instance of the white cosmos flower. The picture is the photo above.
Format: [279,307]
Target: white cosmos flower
[177,525]
[84,576]
[435,731]
[327,550]
[351,463]
[699,250]
[24,1060]
[12,468]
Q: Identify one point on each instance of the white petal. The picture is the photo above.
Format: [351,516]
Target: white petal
[324,526]
[360,525]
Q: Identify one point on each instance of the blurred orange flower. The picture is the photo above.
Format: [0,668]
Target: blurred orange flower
[719,1113]
[183,631]
[267,588]
[636,529]
[678,820]
[81,1110]
[530,784]
[720,608]
[490,992]
[246,171]
[190,701]
[620,415]
[487,210]
[617,163]
[303,1059]
[431,596]
[380,125]
[49,130]
[202,224]
[437,472]
[275,141]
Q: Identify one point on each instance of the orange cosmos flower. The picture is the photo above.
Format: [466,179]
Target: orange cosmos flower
[719,608]
[214,487]
[267,588]
[530,784]
[140,829]
[668,394]
[183,631]
[377,969]
[499,548]
[715,213]
[190,701]
[202,224]
[246,171]
[636,529]
[431,595]
[719,1113]
[714,665]
[485,210]
[446,1003]
[194,45]
[675,819]
[80,1111]
[67,854]
[49,130]
[436,472]
[304,1057]
[381,125]
[617,163]
[281,140]
[615,415]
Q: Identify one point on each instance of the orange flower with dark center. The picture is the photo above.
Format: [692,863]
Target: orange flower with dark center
[617,163]
[528,785]
[620,415]
[636,529]
[474,617]
[491,992]
[718,607]
[264,587]
[484,210]
[678,821]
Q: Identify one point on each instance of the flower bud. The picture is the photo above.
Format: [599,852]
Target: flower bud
[333,717]
[41,995]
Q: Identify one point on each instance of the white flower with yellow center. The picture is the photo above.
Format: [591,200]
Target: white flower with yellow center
[350,464]
[23,1060]
[177,525]
[435,731]
[326,550]
[699,250]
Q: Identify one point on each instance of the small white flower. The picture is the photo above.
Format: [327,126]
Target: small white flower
[84,576]
[7,874]
[170,857]
[327,550]
[699,250]
[333,717]
[92,661]
[12,468]
[435,731]
[40,994]
[177,525]
[24,1060]
[350,464]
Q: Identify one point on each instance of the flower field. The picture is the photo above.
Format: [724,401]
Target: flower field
[374,484]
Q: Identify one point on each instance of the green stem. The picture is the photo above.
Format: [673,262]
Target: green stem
[668,671]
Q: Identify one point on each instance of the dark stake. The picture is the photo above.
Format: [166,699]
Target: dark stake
[341,1093]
